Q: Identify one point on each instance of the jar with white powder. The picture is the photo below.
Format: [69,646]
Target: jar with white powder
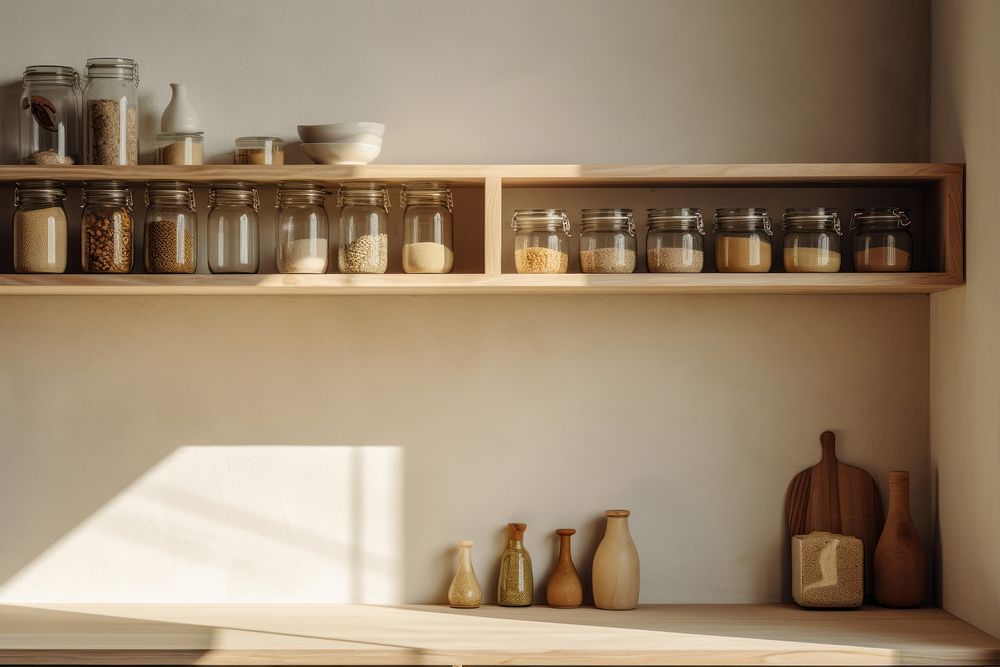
[427,228]
[303,228]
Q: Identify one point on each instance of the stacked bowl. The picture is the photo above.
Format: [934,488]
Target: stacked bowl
[342,143]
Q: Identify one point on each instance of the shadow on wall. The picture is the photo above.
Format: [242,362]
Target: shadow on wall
[241,523]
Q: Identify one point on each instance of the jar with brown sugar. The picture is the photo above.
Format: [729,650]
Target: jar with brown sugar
[812,240]
[743,240]
[882,242]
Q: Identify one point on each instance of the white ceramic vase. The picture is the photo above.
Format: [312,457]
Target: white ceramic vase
[180,116]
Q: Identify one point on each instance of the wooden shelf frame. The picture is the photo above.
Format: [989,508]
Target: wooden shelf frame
[942,186]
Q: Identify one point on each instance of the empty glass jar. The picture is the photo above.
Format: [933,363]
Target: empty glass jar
[50,115]
[607,240]
[427,228]
[107,227]
[171,230]
[541,240]
[111,112]
[40,228]
[812,240]
[233,236]
[743,240]
[675,240]
[364,227]
[882,242]
[302,244]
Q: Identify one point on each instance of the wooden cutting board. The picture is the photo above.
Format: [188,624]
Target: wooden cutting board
[838,498]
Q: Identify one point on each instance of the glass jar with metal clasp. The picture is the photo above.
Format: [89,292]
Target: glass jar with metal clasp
[233,228]
[427,228]
[171,230]
[675,240]
[743,240]
[812,240]
[882,242]
[607,240]
[364,227]
[541,240]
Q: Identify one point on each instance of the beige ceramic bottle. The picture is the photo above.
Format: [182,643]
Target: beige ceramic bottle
[465,592]
[616,566]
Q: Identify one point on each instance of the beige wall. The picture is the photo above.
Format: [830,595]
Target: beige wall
[292,449]
[965,428]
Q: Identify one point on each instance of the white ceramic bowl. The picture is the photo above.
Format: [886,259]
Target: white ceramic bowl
[339,132]
[341,152]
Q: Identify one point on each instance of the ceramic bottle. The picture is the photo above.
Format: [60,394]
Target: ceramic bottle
[465,592]
[899,569]
[565,588]
[616,566]
[180,117]
[516,588]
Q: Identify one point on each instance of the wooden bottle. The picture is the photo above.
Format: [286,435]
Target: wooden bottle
[565,589]
[616,566]
[465,591]
[516,587]
[899,572]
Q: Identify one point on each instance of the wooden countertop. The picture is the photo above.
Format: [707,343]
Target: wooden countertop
[419,635]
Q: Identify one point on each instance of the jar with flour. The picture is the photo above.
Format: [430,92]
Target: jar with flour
[303,228]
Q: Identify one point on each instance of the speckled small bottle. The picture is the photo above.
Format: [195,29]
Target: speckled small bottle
[465,592]
[516,587]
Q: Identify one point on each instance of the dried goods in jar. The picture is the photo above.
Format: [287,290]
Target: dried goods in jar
[166,250]
[40,240]
[108,137]
[368,253]
[607,260]
[540,260]
[675,260]
[427,257]
[106,240]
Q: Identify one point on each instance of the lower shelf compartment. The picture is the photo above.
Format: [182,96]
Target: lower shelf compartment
[475,283]
[208,634]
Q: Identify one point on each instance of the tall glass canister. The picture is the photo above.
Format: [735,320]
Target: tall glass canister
[50,116]
[233,236]
[107,227]
[427,228]
[40,229]
[171,229]
[364,228]
[303,228]
[111,112]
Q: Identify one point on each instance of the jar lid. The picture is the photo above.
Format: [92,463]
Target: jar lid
[540,218]
[113,68]
[425,193]
[676,219]
[301,193]
[236,193]
[743,219]
[820,218]
[363,193]
[170,192]
[881,218]
[58,74]
[109,193]
[593,219]
[34,192]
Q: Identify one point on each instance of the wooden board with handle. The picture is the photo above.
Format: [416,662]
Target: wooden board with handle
[838,498]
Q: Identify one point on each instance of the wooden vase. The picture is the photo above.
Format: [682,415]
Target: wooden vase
[565,588]
[616,566]
[465,591]
[899,570]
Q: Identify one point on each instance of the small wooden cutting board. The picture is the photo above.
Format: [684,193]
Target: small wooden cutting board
[838,498]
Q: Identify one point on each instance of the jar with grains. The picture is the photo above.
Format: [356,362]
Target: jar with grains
[111,112]
[675,240]
[302,244]
[40,228]
[812,240]
[541,240]
[180,148]
[233,228]
[742,240]
[106,230]
[50,115]
[607,240]
[171,230]
[516,584]
[427,228]
[364,227]
[259,151]
[883,242]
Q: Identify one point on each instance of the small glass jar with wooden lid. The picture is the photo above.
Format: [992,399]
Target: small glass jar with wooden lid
[170,243]
[743,240]
[107,227]
[607,240]
[882,242]
[675,240]
[541,240]
[812,240]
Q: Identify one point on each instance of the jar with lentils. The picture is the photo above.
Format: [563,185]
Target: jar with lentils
[541,240]
[812,240]
[107,227]
[675,240]
[883,242]
[171,229]
[743,240]
[40,228]
[364,228]
[607,240]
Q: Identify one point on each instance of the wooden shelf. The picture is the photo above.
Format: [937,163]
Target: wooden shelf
[424,635]
[936,189]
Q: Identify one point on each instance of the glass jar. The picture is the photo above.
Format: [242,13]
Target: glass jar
[607,240]
[259,151]
[427,228]
[180,148]
[812,240]
[40,228]
[106,228]
[675,240]
[541,240]
[111,110]
[516,584]
[302,244]
[233,236]
[171,230]
[742,240]
[882,242]
[50,115]
[364,223]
